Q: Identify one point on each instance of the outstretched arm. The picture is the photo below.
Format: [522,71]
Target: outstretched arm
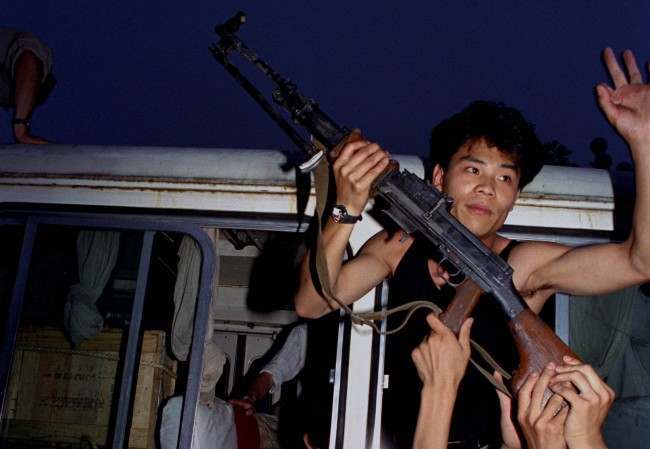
[441,361]
[545,268]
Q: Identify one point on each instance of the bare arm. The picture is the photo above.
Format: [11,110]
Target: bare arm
[548,268]
[358,165]
[351,280]
[441,361]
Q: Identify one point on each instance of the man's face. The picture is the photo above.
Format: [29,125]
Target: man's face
[483,183]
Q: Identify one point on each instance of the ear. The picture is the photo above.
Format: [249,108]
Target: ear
[437,177]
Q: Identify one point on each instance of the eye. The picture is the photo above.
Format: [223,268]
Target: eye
[472,170]
[505,178]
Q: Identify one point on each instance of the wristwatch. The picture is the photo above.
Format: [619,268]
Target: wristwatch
[340,215]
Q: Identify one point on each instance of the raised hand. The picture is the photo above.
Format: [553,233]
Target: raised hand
[441,361]
[358,164]
[627,104]
[590,400]
[442,358]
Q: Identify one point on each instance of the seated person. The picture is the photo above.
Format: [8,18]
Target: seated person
[218,424]
[25,79]
[441,361]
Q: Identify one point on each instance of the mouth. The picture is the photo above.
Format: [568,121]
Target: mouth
[479,209]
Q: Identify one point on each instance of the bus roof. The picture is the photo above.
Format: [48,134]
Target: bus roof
[245,180]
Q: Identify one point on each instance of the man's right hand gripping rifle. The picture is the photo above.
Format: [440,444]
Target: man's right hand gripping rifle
[357,165]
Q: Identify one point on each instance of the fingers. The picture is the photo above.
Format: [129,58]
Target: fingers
[607,103]
[614,69]
[632,68]
[438,275]
[358,158]
[587,379]
[552,408]
[561,416]
[524,396]
[463,335]
[568,393]
[436,325]
[374,168]
[358,164]
[537,396]
[420,365]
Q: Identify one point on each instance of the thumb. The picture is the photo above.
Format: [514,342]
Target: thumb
[436,325]
[463,335]
[606,102]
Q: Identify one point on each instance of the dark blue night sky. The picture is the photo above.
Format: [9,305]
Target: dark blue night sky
[139,72]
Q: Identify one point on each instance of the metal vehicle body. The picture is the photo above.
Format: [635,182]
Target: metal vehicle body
[225,199]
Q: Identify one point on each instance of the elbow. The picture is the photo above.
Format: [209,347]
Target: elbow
[641,262]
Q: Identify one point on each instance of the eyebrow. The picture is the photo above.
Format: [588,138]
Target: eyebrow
[479,161]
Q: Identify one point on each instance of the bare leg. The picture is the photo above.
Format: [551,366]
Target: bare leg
[28,71]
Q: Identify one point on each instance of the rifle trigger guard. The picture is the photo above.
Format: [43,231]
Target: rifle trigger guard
[454,274]
[311,163]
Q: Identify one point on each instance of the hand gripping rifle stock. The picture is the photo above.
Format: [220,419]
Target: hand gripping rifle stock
[414,205]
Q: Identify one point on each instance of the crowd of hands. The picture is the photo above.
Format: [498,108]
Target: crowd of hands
[571,418]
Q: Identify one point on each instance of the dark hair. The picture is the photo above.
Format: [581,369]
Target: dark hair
[501,126]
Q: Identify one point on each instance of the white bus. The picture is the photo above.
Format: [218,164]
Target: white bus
[242,208]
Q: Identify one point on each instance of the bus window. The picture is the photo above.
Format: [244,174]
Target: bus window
[65,381]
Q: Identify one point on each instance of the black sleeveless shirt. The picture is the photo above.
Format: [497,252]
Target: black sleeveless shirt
[475,420]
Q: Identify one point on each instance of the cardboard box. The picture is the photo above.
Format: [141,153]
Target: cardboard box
[57,394]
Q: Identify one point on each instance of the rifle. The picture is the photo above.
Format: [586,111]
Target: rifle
[415,206]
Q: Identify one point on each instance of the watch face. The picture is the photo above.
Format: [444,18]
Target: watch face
[338,213]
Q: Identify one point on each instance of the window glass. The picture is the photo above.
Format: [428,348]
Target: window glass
[11,239]
[64,384]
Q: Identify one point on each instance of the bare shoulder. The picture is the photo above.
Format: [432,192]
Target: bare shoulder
[527,260]
[527,257]
[387,247]
[534,254]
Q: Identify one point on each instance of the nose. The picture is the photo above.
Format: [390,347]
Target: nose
[485,186]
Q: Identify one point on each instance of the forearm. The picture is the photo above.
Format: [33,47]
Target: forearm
[309,303]
[591,443]
[434,418]
[640,235]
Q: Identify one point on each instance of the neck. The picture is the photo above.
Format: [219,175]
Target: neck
[495,242]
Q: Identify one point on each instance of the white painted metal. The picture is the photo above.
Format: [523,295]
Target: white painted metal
[230,180]
[233,180]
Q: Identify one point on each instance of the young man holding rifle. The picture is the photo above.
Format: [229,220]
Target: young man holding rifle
[483,157]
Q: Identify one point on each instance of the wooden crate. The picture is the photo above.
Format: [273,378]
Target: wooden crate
[59,395]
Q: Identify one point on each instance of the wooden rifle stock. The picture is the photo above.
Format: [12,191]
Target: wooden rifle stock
[537,345]
[462,306]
